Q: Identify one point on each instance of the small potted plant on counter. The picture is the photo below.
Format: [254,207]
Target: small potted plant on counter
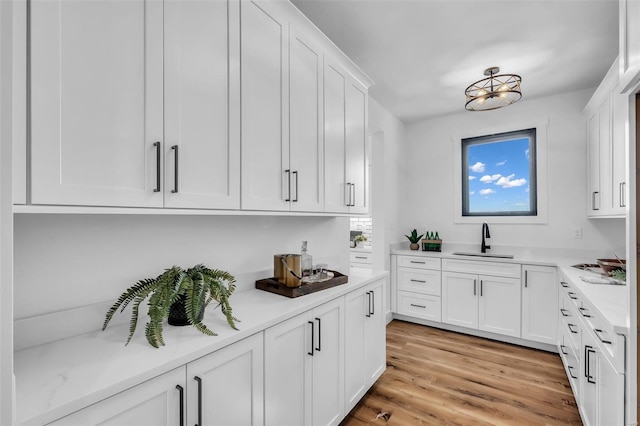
[414,239]
[359,240]
[178,295]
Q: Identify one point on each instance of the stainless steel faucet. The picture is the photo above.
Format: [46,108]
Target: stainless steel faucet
[485,234]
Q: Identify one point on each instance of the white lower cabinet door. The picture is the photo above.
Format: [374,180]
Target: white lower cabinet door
[328,364]
[158,401]
[610,393]
[499,305]
[539,303]
[365,335]
[460,299]
[225,388]
[304,368]
[287,368]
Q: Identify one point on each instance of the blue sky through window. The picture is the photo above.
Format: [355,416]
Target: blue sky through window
[499,174]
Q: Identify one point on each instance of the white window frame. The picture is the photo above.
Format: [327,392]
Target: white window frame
[541,173]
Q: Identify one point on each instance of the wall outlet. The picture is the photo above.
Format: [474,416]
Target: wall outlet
[576,233]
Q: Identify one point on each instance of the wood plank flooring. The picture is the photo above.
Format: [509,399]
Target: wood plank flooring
[437,377]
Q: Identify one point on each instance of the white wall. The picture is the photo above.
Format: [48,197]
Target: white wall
[427,189]
[68,261]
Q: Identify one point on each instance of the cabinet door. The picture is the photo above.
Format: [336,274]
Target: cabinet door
[610,393]
[154,402]
[226,387]
[264,106]
[593,172]
[375,360]
[588,383]
[604,202]
[96,103]
[335,86]
[328,363]
[539,304]
[499,305]
[306,145]
[460,299]
[356,311]
[618,153]
[288,371]
[356,147]
[202,145]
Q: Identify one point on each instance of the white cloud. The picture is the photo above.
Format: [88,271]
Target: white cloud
[487,191]
[472,177]
[506,182]
[526,190]
[472,192]
[478,167]
[489,179]
[519,204]
[501,163]
[526,152]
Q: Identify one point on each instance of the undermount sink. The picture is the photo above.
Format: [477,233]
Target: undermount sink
[499,256]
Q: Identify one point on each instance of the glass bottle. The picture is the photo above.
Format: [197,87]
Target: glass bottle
[306,261]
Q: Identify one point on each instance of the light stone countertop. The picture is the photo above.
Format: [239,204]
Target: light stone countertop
[59,378]
[611,301]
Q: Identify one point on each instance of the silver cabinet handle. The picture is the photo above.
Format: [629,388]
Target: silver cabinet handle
[526,278]
[361,257]
[415,261]
[158,155]
[347,193]
[595,195]
[175,168]
[418,281]
[419,306]
[598,331]
[353,200]
[475,282]
[623,201]
[481,288]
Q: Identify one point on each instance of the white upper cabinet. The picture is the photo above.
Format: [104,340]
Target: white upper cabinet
[202,142]
[346,163]
[96,103]
[607,114]
[629,60]
[265,106]
[306,145]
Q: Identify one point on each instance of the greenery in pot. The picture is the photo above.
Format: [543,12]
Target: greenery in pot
[360,238]
[199,286]
[414,238]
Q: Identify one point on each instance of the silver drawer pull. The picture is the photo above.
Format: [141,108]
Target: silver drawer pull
[572,295]
[361,257]
[415,261]
[418,306]
[598,331]
[564,312]
[418,281]
[582,312]
[571,329]
[563,284]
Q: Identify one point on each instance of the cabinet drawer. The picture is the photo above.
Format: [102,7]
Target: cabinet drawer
[498,269]
[419,306]
[419,262]
[419,281]
[612,344]
[360,257]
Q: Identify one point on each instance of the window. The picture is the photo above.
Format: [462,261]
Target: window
[499,174]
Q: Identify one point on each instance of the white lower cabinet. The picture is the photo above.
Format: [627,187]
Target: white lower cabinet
[365,354]
[482,302]
[539,303]
[154,402]
[304,368]
[223,388]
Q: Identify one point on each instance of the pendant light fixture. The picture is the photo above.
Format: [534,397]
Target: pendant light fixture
[495,91]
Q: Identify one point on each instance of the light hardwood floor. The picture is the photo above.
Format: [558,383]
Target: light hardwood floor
[436,377]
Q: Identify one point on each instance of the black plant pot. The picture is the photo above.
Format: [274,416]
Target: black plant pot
[178,313]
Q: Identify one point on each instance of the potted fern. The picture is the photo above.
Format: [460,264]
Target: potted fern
[359,240]
[178,295]
[414,239]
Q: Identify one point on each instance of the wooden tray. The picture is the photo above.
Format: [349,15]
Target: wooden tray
[273,286]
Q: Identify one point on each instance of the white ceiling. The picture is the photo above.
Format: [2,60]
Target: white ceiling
[422,54]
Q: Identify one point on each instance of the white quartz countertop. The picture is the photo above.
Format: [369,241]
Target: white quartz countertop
[611,301]
[56,379]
